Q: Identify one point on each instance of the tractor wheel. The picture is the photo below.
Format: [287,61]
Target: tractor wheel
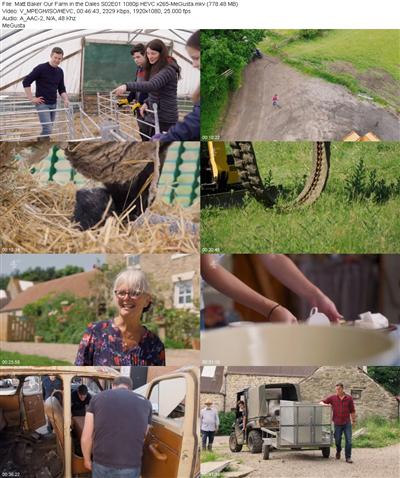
[265,451]
[246,165]
[254,441]
[233,444]
[326,451]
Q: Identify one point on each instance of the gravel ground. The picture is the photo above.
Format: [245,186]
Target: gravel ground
[309,108]
[368,463]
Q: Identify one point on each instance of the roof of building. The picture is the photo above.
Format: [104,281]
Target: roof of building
[273,371]
[211,382]
[78,284]
[25,284]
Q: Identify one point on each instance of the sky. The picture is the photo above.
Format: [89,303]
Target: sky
[10,262]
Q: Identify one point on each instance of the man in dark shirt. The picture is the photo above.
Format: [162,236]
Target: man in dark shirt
[343,416]
[138,54]
[49,79]
[79,399]
[52,384]
[116,423]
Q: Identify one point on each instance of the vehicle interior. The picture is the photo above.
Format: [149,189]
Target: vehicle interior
[34,443]
[32,439]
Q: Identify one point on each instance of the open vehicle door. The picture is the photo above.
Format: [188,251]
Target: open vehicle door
[171,446]
[33,403]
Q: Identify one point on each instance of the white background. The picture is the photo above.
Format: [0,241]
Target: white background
[256,14]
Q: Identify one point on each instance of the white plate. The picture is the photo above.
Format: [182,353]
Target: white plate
[275,344]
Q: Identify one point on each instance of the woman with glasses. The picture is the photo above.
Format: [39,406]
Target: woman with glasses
[123,340]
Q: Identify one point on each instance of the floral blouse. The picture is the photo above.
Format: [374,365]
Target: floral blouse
[102,344]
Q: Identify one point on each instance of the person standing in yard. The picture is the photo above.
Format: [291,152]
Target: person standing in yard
[123,340]
[116,424]
[49,79]
[209,423]
[275,100]
[343,417]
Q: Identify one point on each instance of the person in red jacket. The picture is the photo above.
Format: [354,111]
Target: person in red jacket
[343,416]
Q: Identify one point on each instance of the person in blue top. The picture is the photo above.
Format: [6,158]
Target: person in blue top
[49,79]
[189,128]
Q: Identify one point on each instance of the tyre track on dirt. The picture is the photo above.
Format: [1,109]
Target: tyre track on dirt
[310,108]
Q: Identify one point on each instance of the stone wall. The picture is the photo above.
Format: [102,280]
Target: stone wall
[161,268]
[216,398]
[374,400]
[235,383]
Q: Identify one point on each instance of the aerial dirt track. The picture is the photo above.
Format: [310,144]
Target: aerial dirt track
[309,108]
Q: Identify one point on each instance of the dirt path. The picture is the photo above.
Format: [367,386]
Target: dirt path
[310,108]
[178,357]
[368,462]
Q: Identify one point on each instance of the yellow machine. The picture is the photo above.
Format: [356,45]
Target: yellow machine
[227,174]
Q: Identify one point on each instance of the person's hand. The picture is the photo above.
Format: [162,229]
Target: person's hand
[88,464]
[282,315]
[37,101]
[143,109]
[66,102]
[326,306]
[120,91]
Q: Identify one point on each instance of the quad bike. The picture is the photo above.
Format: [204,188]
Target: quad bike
[227,176]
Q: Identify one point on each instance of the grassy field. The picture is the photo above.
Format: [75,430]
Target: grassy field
[14,358]
[331,225]
[379,433]
[365,61]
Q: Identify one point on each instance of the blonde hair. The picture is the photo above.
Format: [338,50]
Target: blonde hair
[133,279]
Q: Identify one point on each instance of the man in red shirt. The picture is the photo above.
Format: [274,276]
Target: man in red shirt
[343,416]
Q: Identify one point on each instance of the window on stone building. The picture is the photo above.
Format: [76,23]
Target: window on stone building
[183,294]
[133,261]
[356,393]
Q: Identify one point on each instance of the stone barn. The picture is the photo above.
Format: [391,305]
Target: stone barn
[220,384]
[369,397]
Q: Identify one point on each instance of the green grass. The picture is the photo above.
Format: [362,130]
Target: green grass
[380,433]
[208,456]
[212,115]
[15,358]
[330,225]
[374,53]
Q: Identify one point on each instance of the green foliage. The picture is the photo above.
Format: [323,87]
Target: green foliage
[180,324]
[4,281]
[226,419]
[340,56]
[224,55]
[38,274]
[308,34]
[388,377]
[361,185]
[62,318]
[15,358]
[380,432]
[330,224]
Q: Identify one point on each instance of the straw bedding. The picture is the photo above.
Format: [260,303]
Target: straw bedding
[37,219]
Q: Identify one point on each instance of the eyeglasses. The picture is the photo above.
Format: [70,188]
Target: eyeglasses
[132,294]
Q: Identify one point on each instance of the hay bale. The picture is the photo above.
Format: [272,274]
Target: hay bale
[37,219]
[115,163]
